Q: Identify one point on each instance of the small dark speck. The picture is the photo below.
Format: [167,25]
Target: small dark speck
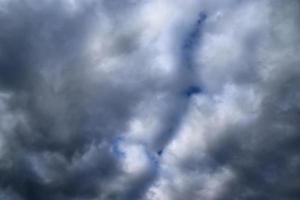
[202,17]
[159,152]
[192,90]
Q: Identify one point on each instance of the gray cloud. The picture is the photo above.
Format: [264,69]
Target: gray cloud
[151,100]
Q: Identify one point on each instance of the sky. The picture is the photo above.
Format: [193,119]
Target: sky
[149,100]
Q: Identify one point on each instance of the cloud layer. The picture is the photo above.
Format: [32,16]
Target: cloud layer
[149,100]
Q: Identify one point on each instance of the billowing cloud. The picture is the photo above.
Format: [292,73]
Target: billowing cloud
[149,100]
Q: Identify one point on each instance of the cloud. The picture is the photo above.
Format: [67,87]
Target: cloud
[150,100]
[235,133]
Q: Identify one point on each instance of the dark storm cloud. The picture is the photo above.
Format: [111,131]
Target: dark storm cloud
[60,148]
[156,100]
[265,154]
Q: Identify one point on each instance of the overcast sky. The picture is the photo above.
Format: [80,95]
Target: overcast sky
[149,99]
